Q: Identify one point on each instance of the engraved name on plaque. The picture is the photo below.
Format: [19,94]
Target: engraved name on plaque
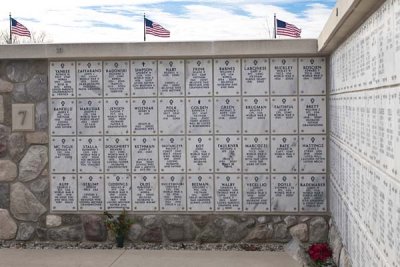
[118,192]
[255,154]
[144,154]
[144,77]
[200,154]
[117,116]
[171,116]
[227,76]
[227,115]
[62,79]
[312,154]
[199,116]
[312,193]
[144,116]
[63,117]
[312,114]
[172,192]
[228,193]
[256,193]
[284,193]
[63,151]
[255,76]
[91,192]
[284,154]
[145,192]
[90,117]
[284,115]
[89,78]
[228,154]
[312,76]
[283,76]
[255,115]
[199,77]
[200,195]
[171,79]
[117,154]
[116,78]
[63,192]
[90,154]
[172,154]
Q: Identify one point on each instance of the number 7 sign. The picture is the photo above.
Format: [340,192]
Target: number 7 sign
[23,117]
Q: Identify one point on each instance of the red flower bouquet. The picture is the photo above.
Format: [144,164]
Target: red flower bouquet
[321,254]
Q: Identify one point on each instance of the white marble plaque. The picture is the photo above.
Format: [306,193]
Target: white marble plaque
[91,192]
[171,78]
[283,76]
[255,76]
[227,76]
[144,154]
[173,192]
[116,79]
[227,115]
[312,114]
[63,192]
[313,193]
[256,193]
[63,155]
[172,154]
[63,117]
[312,76]
[171,115]
[312,154]
[200,192]
[117,154]
[144,77]
[145,192]
[284,154]
[256,154]
[199,115]
[284,115]
[284,193]
[200,154]
[255,115]
[118,192]
[90,154]
[62,79]
[90,117]
[117,116]
[228,192]
[144,116]
[199,80]
[89,78]
[228,152]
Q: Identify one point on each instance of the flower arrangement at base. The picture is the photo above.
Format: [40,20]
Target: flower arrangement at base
[321,254]
[119,225]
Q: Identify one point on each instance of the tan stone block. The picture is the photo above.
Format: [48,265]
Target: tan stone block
[23,117]
[37,138]
[5,87]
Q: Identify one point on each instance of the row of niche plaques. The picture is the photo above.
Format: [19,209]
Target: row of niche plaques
[175,192]
[196,77]
[166,116]
[193,154]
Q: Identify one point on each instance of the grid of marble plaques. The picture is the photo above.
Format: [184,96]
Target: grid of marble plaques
[200,135]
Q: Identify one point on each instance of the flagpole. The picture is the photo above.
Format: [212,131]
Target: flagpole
[10,29]
[144,27]
[275,25]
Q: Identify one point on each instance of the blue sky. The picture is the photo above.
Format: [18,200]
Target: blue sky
[122,20]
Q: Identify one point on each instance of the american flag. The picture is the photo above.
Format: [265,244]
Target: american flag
[155,29]
[19,29]
[283,28]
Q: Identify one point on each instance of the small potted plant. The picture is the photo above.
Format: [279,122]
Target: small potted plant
[321,254]
[119,225]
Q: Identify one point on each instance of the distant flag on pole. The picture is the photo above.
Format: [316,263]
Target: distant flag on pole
[156,29]
[284,28]
[19,29]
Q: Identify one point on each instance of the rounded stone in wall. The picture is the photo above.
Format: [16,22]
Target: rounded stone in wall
[32,163]
[19,71]
[36,88]
[8,227]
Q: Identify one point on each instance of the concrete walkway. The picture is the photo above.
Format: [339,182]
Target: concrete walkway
[142,258]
